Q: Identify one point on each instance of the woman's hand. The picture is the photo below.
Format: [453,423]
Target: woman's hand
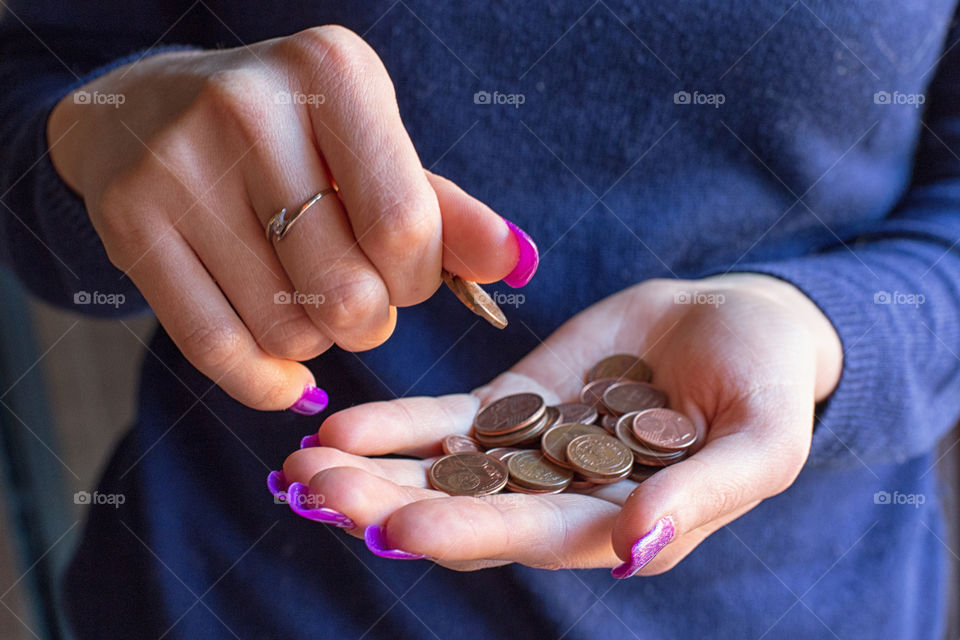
[183,157]
[744,356]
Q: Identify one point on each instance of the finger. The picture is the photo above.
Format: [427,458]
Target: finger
[364,497]
[243,263]
[302,465]
[392,208]
[554,531]
[415,426]
[754,451]
[477,243]
[336,285]
[206,329]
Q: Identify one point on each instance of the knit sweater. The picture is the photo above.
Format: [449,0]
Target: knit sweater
[815,141]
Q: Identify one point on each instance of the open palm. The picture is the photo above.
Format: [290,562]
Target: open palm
[744,356]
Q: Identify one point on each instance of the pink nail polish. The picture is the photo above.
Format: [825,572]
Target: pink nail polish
[311,402]
[312,440]
[646,548]
[377,543]
[304,504]
[529,258]
[277,484]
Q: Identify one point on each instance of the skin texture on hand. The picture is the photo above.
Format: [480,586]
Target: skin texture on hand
[182,175]
[744,356]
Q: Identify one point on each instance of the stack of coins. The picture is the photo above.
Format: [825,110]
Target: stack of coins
[621,428]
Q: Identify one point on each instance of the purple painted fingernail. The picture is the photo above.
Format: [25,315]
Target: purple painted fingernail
[277,483]
[377,543]
[529,258]
[304,504]
[646,548]
[311,402]
[312,440]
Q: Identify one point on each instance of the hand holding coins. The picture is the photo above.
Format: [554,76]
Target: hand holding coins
[523,445]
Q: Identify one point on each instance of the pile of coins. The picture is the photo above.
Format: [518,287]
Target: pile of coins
[620,428]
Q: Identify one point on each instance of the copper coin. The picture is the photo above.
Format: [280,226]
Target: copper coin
[580,484]
[664,429]
[502,453]
[555,440]
[521,437]
[509,414]
[531,470]
[622,365]
[577,412]
[625,397]
[456,443]
[470,473]
[642,453]
[592,392]
[553,417]
[641,472]
[521,489]
[600,455]
[475,298]
[609,423]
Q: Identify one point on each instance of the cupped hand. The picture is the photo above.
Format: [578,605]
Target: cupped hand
[745,356]
[183,157]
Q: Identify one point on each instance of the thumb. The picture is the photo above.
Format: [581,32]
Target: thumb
[755,450]
[479,245]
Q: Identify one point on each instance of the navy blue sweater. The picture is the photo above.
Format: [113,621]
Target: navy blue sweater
[818,167]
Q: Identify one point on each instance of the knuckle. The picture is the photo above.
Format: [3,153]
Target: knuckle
[359,296]
[406,224]
[126,233]
[214,347]
[334,50]
[242,97]
[294,338]
[725,497]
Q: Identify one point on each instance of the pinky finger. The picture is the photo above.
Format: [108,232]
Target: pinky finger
[203,325]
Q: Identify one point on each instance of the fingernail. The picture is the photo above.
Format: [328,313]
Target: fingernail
[377,543]
[529,258]
[311,402]
[277,483]
[301,499]
[646,548]
[312,440]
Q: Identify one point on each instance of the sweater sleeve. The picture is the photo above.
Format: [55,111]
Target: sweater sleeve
[893,295]
[47,49]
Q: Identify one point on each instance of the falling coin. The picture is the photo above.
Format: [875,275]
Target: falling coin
[476,299]
[470,473]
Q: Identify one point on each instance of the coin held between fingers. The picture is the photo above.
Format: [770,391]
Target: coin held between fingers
[476,299]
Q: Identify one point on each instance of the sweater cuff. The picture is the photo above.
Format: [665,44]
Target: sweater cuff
[863,393]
